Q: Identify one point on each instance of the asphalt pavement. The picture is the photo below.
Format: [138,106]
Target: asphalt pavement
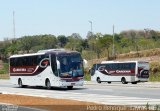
[113,94]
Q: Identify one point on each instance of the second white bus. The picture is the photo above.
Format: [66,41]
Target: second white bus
[125,72]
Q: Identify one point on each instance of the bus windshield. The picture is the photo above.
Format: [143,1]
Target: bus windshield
[70,65]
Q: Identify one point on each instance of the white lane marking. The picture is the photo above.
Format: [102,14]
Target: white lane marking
[105,99]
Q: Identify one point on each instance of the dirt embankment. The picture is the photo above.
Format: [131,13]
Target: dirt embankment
[51,104]
[44,103]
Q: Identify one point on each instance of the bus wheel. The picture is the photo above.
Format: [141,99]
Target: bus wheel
[20,83]
[98,80]
[109,82]
[123,80]
[134,82]
[48,84]
[70,87]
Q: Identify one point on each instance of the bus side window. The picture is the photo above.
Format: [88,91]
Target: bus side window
[12,62]
[25,61]
[132,65]
[19,61]
[47,56]
[35,60]
[54,65]
[39,58]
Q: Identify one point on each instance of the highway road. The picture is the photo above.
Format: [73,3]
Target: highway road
[113,94]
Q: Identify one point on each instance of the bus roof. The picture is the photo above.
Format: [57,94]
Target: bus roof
[24,55]
[48,51]
[105,62]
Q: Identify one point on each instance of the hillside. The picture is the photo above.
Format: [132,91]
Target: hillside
[151,55]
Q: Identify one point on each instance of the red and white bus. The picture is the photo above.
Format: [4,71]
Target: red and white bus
[115,71]
[54,67]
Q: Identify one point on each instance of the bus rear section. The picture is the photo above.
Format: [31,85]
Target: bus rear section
[125,72]
[142,71]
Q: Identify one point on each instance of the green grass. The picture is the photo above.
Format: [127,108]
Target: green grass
[87,77]
[154,77]
[4,70]
[154,72]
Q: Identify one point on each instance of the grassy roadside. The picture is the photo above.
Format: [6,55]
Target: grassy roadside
[4,68]
[154,77]
[154,72]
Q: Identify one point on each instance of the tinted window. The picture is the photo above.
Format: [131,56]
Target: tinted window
[119,66]
[69,62]
[54,65]
[27,61]
[94,68]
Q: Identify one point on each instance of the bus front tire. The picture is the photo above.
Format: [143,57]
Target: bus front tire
[98,80]
[134,82]
[123,80]
[70,87]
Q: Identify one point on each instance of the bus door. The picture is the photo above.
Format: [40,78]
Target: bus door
[55,65]
[93,72]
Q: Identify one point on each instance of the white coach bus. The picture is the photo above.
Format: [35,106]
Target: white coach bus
[115,71]
[47,68]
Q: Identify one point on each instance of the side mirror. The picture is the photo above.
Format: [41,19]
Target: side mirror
[58,65]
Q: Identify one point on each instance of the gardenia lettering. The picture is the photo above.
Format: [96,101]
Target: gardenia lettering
[19,69]
[123,71]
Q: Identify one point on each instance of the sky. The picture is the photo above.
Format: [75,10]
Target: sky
[64,17]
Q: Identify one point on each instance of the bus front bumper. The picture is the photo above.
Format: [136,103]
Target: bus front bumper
[142,80]
[73,83]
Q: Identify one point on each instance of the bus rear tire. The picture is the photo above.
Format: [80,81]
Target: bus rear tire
[48,84]
[109,82]
[98,80]
[20,84]
[69,87]
[123,80]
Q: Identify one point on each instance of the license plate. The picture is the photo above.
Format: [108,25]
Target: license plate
[72,83]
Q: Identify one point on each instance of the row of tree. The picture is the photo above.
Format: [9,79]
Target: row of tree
[94,46]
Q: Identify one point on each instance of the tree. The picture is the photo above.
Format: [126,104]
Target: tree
[90,35]
[105,42]
[26,43]
[49,41]
[7,48]
[76,36]
[117,38]
[74,42]
[62,40]
[154,35]
[85,44]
